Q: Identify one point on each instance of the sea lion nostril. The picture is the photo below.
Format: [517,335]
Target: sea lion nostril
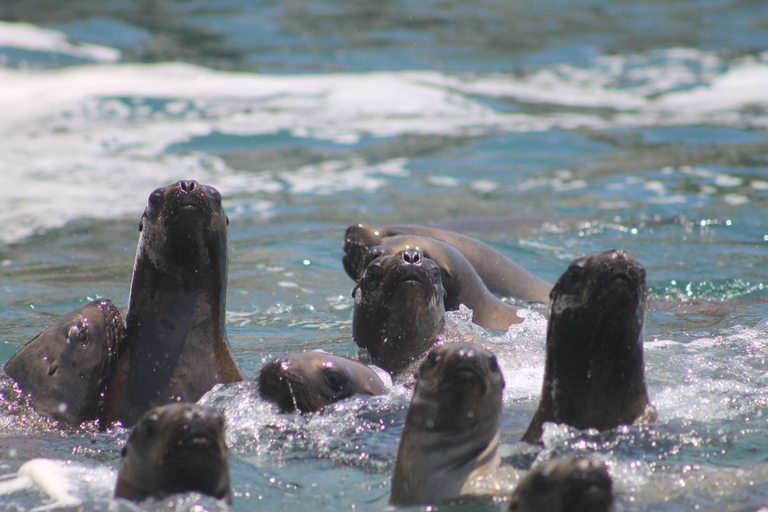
[188,185]
[412,256]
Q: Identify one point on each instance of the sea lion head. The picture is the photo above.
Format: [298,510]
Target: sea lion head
[594,371]
[175,448]
[184,227]
[399,310]
[309,381]
[64,368]
[451,431]
[358,239]
[457,385]
[571,484]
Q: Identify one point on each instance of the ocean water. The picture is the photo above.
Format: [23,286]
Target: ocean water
[548,129]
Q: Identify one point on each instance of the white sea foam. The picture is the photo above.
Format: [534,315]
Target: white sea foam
[94,140]
[30,37]
[65,483]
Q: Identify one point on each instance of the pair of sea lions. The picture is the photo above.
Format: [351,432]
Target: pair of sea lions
[471,271]
[174,346]
[594,378]
[449,444]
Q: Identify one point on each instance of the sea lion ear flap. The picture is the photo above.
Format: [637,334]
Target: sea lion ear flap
[226,217]
[354,291]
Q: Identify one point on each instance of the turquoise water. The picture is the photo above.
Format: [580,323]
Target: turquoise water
[548,129]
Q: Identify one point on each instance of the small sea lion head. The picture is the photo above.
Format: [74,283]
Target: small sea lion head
[309,381]
[399,309]
[65,367]
[358,239]
[175,448]
[571,484]
[457,385]
[183,224]
[610,276]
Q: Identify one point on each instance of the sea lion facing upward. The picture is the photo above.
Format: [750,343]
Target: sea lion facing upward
[500,274]
[176,342]
[308,381]
[173,449]
[594,373]
[63,369]
[399,311]
[451,432]
[460,280]
[571,484]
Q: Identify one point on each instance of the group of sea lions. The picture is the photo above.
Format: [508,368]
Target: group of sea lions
[173,348]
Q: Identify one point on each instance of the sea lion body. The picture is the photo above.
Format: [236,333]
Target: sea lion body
[309,381]
[570,484]
[594,371]
[399,311]
[63,370]
[500,274]
[451,431]
[175,448]
[461,282]
[176,343]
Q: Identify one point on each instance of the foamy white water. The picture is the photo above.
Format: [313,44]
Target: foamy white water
[93,141]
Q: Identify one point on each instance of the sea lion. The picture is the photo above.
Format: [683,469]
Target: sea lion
[399,311]
[570,484]
[63,369]
[500,274]
[308,381]
[451,431]
[594,373]
[173,449]
[460,280]
[176,346]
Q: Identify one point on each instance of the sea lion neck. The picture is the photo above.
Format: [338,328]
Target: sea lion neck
[176,341]
[451,431]
[594,369]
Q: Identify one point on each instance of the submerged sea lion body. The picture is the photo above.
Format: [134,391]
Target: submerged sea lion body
[594,374]
[175,448]
[461,282]
[309,381]
[571,484]
[500,274]
[451,432]
[63,369]
[176,343]
[399,311]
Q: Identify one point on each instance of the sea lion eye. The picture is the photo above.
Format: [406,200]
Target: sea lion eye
[432,358]
[155,197]
[216,196]
[335,380]
[78,334]
[374,272]
[575,273]
[493,364]
[148,426]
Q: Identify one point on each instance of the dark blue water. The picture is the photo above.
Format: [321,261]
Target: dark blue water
[548,129]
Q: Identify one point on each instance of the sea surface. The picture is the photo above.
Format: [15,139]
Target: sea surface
[548,129]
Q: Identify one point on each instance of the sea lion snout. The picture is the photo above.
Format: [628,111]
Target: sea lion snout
[411,256]
[187,185]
